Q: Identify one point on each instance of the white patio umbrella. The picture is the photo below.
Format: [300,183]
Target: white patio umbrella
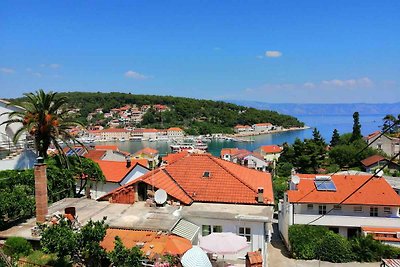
[223,243]
[195,257]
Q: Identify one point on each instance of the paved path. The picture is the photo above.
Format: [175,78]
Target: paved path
[280,257]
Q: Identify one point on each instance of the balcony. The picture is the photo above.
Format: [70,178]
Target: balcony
[346,221]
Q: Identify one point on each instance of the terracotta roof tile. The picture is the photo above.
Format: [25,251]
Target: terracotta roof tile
[155,244]
[174,129]
[271,149]
[147,151]
[372,160]
[115,171]
[95,154]
[375,192]
[106,147]
[172,157]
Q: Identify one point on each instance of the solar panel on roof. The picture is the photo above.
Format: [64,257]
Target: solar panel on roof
[325,185]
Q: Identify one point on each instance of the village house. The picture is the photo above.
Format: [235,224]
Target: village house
[245,158]
[375,162]
[148,153]
[175,132]
[148,134]
[270,153]
[262,127]
[216,195]
[389,145]
[110,134]
[242,128]
[374,206]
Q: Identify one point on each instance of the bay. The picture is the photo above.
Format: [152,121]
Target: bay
[325,124]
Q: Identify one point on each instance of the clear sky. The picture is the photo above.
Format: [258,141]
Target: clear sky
[272,51]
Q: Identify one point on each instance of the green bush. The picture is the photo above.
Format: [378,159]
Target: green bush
[16,247]
[335,248]
[39,257]
[366,249]
[305,240]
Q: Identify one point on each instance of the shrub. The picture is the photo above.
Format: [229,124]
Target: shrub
[41,258]
[305,240]
[334,248]
[366,249]
[16,247]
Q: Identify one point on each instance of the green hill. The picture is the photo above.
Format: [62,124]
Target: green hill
[194,115]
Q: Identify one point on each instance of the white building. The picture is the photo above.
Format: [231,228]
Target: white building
[262,127]
[175,132]
[387,144]
[216,195]
[270,153]
[242,128]
[110,134]
[375,204]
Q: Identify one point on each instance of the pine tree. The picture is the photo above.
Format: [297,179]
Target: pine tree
[335,138]
[317,137]
[356,134]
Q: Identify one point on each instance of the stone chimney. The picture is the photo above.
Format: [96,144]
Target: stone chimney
[260,195]
[40,191]
[128,162]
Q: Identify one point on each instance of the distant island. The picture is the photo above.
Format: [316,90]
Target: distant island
[194,116]
[295,109]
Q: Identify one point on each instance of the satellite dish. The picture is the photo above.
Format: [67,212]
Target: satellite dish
[295,179]
[160,196]
[379,173]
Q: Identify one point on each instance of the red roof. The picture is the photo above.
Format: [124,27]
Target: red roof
[156,244]
[372,160]
[263,124]
[116,171]
[174,129]
[382,233]
[376,192]
[227,182]
[147,151]
[242,126]
[114,130]
[95,154]
[271,149]
[372,135]
[170,158]
[150,130]
[106,147]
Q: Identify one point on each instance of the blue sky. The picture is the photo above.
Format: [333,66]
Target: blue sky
[271,51]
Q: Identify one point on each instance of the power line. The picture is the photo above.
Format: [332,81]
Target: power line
[363,184]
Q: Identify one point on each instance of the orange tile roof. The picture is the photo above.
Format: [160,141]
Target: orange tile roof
[242,126]
[148,151]
[372,135]
[174,129]
[228,182]
[106,147]
[172,157]
[263,124]
[229,151]
[115,171]
[382,233]
[150,130]
[114,130]
[154,244]
[271,149]
[372,160]
[376,192]
[95,154]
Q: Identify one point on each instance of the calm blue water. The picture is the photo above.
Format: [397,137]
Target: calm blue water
[325,125]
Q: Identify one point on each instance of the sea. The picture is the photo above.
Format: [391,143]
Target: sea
[324,124]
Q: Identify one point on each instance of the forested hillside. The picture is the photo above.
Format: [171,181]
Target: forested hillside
[195,116]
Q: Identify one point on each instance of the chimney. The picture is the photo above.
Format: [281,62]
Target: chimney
[40,190]
[260,195]
[128,162]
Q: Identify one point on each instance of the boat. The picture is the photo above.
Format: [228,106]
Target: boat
[189,146]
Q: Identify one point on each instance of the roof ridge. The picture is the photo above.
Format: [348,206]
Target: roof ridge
[170,176]
[231,173]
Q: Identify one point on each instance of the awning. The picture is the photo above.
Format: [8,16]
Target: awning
[186,229]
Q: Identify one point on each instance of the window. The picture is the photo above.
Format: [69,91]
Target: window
[337,207]
[387,210]
[310,206]
[322,209]
[206,174]
[208,229]
[246,232]
[373,211]
[357,209]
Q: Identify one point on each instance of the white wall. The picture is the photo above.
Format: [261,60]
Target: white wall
[258,232]
[23,161]
[134,174]
[6,135]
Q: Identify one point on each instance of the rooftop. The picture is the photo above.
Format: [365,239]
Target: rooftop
[124,216]
[372,160]
[271,149]
[376,192]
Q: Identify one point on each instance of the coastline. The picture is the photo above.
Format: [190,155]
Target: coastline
[269,132]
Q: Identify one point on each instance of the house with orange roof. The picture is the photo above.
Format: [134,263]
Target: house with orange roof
[215,195]
[375,162]
[363,204]
[116,174]
[148,134]
[175,132]
[245,158]
[270,153]
[110,134]
[262,127]
[148,153]
[389,145]
[242,128]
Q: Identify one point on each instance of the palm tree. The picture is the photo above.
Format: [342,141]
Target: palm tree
[45,118]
